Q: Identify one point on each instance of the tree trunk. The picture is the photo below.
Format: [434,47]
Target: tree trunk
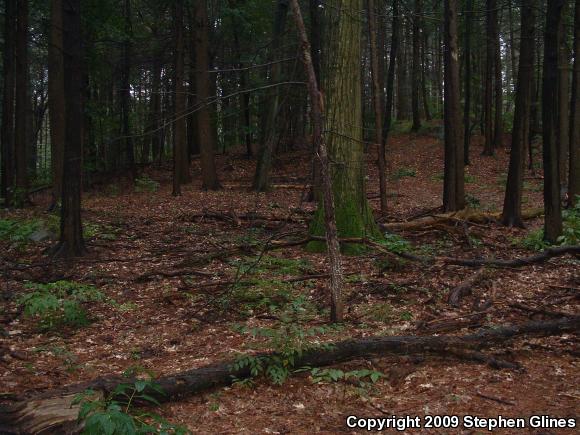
[180,154]
[21,143]
[498,123]
[512,207]
[467,82]
[453,190]
[377,102]
[264,164]
[416,74]
[71,230]
[56,109]
[389,101]
[552,206]
[489,60]
[425,96]
[206,131]
[125,94]
[336,276]
[7,133]
[354,217]
[563,109]
[574,176]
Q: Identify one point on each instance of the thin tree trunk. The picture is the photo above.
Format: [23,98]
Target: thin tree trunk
[7,134]
[467,82]
[180,154]
[21,143]
[377,102]
[424,77]
[56,98]
[512,208]
[336,275]
[488,79]
[498,123]
[71,230]
[416,72]
[206,132]
[453,190]
[552,206]
[264,164]
[574,176]
[125,94]
[563,110]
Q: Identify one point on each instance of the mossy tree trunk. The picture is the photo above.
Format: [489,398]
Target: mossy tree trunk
[342,86]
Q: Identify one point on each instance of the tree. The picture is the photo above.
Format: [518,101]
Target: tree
[22,130]
[7,133]
[206,132]
[552,206]
[467,81]
[563,109]
[354,217]
[574,173]
[377,103]
[271,138]
[512,208]
[180,154]
[416,72]
[488,147]
[71,230]
[56,97]
[498,123]
[453,190]
[125,93]
[336,277]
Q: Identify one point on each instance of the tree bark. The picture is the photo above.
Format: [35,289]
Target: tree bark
[125,94]
[206,131]
[498,123]
[377,102]
[467,81]
[336,274]
[354,217]
[264,164]
[7,133]
[21,143]
[453,183]
[180,154]
[574,175]
[552,206]
[512,207]
[71,230]
[416,67]
[491,5]
[56,108]
[563,110]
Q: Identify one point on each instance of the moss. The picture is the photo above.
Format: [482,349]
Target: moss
[350,222]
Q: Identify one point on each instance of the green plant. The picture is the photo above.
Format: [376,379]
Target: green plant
[380,312]
[404,172]
[288,340]
[468,178]
[438,177]
[570,232]
[59,303]
[472,201]
[395,243]
[334,375]
[116,414]
[146,184]
[18,231]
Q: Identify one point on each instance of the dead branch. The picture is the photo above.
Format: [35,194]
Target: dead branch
[465,287]
[53,412]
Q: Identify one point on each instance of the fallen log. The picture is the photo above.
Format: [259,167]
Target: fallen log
[52,412]
[462,215]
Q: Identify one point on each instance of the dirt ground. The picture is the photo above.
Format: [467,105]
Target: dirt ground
[173,323]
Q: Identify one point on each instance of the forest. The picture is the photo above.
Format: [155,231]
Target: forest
[289,216]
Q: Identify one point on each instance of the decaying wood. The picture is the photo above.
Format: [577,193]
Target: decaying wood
[465,287]
[52,412]
[462,215]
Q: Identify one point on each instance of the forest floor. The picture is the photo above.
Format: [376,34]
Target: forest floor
[138,239]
